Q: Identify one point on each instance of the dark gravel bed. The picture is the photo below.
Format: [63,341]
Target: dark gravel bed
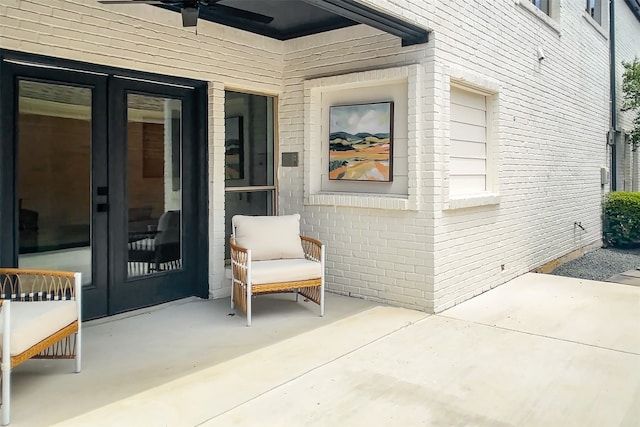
[600,264]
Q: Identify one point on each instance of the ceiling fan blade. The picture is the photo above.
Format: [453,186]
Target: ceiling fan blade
[129,1]
[177,2]
[241,14]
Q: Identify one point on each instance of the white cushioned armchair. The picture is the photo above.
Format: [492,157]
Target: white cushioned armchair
[41,318]
[268,255]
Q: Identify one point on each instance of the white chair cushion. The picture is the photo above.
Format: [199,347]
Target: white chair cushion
[269,237]
[284,270]
[31,322]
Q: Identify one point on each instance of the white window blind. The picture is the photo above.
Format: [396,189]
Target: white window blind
[468,156]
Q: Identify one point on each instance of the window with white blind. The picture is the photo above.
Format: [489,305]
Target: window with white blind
[468,152]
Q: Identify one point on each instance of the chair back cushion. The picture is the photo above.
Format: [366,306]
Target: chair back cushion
[269,237]
[168,228]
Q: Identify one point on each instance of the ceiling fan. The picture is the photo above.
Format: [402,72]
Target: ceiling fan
[190,9]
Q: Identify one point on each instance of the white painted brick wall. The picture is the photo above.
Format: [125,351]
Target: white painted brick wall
[552,136]
[553,132]
[627,48]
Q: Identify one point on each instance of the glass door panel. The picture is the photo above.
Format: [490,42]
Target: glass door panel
[54,177]
[154,185]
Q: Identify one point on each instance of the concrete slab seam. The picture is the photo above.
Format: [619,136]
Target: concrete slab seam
[540,335]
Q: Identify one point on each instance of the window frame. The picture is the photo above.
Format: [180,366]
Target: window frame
[491,89]
[539,4]
[601,25]
[594,10]
[552,19]
[270,189]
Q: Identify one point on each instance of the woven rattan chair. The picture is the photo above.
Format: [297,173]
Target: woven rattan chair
[268,255]
[157,250]
[41,318]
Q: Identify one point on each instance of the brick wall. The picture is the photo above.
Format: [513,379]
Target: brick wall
[551,134]
[627,48]
[551,142]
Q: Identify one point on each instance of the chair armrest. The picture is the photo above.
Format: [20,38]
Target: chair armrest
[236,249]
[312,248]
[240,261]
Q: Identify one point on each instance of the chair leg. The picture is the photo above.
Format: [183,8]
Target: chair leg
[78,351]
[233,305]
[297,292]
[322,281]
[248,305]
[5,364]
[6,391]
[322,302]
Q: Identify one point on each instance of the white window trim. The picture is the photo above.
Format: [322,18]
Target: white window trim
[552,20]
[471,81]
[313,90]
[602,27]
[604,32]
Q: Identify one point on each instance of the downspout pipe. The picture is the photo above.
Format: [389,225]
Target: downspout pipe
[612,95]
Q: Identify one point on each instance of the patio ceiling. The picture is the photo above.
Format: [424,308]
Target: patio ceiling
[297,18]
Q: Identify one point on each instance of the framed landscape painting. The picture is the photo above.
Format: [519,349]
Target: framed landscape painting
[361,142]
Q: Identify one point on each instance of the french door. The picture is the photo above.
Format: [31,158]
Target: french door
[102,173]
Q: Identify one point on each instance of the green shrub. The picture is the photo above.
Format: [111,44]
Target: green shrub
[621,223]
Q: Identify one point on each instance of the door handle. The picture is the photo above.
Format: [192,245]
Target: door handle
[102,207]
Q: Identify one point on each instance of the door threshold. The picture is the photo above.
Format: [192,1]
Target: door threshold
[139,311]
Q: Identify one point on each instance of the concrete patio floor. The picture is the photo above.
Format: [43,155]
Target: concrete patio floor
[540,350]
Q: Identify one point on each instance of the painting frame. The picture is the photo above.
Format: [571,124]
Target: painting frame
[234,148]
[361,142]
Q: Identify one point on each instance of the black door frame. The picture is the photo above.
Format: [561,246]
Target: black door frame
[17,64]
[95,294]
[126,293]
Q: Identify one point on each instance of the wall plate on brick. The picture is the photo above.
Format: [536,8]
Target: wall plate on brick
[290,159]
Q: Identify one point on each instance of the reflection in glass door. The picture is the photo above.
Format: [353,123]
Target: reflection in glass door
[54,177]
[154,187]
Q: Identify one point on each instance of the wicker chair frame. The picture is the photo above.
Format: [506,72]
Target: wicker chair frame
[242,289]
[27,285]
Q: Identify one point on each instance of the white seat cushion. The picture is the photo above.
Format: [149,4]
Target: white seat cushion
[269,237]
[284,270]
[31,322]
